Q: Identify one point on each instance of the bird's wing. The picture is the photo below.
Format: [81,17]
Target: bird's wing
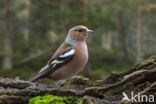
[53,64]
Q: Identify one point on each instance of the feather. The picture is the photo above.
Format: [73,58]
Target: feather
[54,63]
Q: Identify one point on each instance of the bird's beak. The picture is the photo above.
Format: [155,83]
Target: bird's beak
[89,31]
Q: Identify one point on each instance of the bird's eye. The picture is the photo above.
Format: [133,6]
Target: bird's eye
[80,30]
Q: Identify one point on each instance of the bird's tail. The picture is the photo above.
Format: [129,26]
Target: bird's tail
[34,79]
[39,75]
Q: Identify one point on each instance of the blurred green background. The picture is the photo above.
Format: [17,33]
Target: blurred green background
[31,31]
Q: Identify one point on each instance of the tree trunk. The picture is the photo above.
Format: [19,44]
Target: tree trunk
[48,23]
[107,40]
[140,79]
[48,33]
[81,9]
[122,33]
[26,32]
[138,35]
[8,45]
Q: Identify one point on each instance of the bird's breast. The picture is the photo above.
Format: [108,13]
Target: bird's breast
[81,53]
[79,60]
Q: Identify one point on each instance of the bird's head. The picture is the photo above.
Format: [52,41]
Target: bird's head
[78,34]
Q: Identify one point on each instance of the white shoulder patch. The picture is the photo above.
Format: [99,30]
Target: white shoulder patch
[44,68]
[69,53]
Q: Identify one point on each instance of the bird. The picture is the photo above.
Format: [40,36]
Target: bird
[70,58]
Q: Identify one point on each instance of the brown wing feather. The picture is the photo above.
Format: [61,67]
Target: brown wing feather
[51,65]
[61,49]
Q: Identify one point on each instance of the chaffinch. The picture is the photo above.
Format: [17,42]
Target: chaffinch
[70,58]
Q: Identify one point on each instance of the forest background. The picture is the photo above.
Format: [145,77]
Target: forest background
[31,31]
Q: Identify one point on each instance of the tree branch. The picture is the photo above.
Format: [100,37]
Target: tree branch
[140,79]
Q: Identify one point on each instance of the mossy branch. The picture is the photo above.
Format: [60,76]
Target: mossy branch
[141,78]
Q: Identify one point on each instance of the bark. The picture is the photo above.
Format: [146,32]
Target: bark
[138,35]
[140,79]
[8,50]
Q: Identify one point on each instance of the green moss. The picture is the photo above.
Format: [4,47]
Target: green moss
[1,102]
[50,99]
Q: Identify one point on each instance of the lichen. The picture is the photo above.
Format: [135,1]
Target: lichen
[50,99]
